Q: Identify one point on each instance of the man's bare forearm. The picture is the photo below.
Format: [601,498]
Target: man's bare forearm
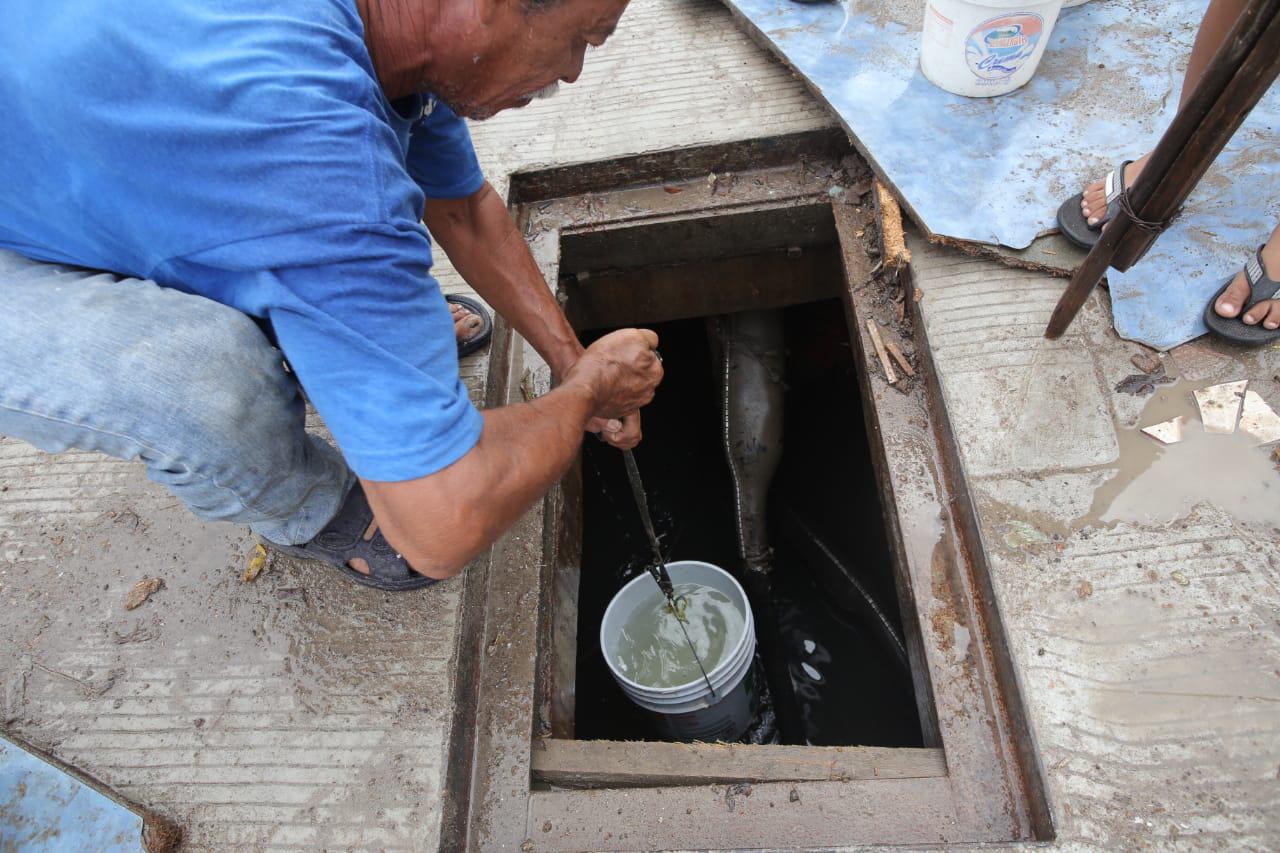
[486,248]
[441,522]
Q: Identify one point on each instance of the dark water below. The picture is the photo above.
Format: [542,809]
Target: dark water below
[845,682]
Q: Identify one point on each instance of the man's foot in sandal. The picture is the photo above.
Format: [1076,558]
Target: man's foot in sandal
[1081,217]
[472,325]
[352,543]
[1245,310]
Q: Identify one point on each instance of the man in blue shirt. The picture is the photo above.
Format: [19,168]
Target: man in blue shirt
[186,185]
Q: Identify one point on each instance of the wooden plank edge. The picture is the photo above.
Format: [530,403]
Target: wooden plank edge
[620,764]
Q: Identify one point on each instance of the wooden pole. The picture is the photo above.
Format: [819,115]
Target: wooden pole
[1237,77]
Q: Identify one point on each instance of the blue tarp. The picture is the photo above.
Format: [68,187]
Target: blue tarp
[44,809]
[994,170]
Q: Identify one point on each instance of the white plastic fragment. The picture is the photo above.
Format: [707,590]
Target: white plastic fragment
[1258,420]
[1220,405]
[1166,432]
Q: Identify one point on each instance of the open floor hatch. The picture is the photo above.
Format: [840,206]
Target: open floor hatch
[891,716]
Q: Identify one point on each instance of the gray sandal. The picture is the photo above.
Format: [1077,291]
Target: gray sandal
[1234,329]
[343,540]
[1071,221]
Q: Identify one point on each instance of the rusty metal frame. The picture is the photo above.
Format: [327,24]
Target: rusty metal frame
[519,616]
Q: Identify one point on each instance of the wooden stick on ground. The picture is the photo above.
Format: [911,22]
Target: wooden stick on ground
[874,331]
[900,358]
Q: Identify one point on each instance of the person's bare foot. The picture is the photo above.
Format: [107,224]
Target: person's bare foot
[465,323]
[1094,203]
[1236,296]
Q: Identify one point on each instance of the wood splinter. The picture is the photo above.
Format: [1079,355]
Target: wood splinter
[900,358]
[874,331]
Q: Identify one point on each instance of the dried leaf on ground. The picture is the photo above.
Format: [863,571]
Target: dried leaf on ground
[1141,384]
[141,591]
[257,562]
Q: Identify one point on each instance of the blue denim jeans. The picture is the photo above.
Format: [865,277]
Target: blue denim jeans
[187,385]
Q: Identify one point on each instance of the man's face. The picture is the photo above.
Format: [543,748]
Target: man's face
[515,51]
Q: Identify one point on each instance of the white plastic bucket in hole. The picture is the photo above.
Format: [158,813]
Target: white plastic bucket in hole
[982,48]
[689,712]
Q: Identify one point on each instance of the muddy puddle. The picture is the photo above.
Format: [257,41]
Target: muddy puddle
[1158,483]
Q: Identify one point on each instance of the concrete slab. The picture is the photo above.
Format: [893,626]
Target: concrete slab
[1147,651]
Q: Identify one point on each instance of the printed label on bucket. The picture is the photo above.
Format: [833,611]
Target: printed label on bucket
[998,47]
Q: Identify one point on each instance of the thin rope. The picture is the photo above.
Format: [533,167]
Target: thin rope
[1149,225]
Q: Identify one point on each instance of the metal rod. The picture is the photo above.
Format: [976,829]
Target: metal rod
[659,567]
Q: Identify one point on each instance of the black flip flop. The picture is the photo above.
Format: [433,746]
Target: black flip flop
[480,338]
[1234,329]
[1071,221]
[342,540]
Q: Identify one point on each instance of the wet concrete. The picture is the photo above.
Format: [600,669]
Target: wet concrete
[1137,581]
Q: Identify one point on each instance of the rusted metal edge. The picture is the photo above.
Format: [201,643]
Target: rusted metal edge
[670,166]
[468,652]
[159,833]
[1028,762]
[492,800]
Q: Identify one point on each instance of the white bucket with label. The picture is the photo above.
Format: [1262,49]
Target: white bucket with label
[690,712]
[987,47]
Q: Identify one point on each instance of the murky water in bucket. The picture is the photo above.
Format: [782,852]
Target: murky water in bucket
[652,650]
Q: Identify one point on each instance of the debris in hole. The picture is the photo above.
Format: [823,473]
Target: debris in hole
[142,590]
[257,562]
[1220,406]
[1258,420]
[874,331]
[1142,384]
[1166,432]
